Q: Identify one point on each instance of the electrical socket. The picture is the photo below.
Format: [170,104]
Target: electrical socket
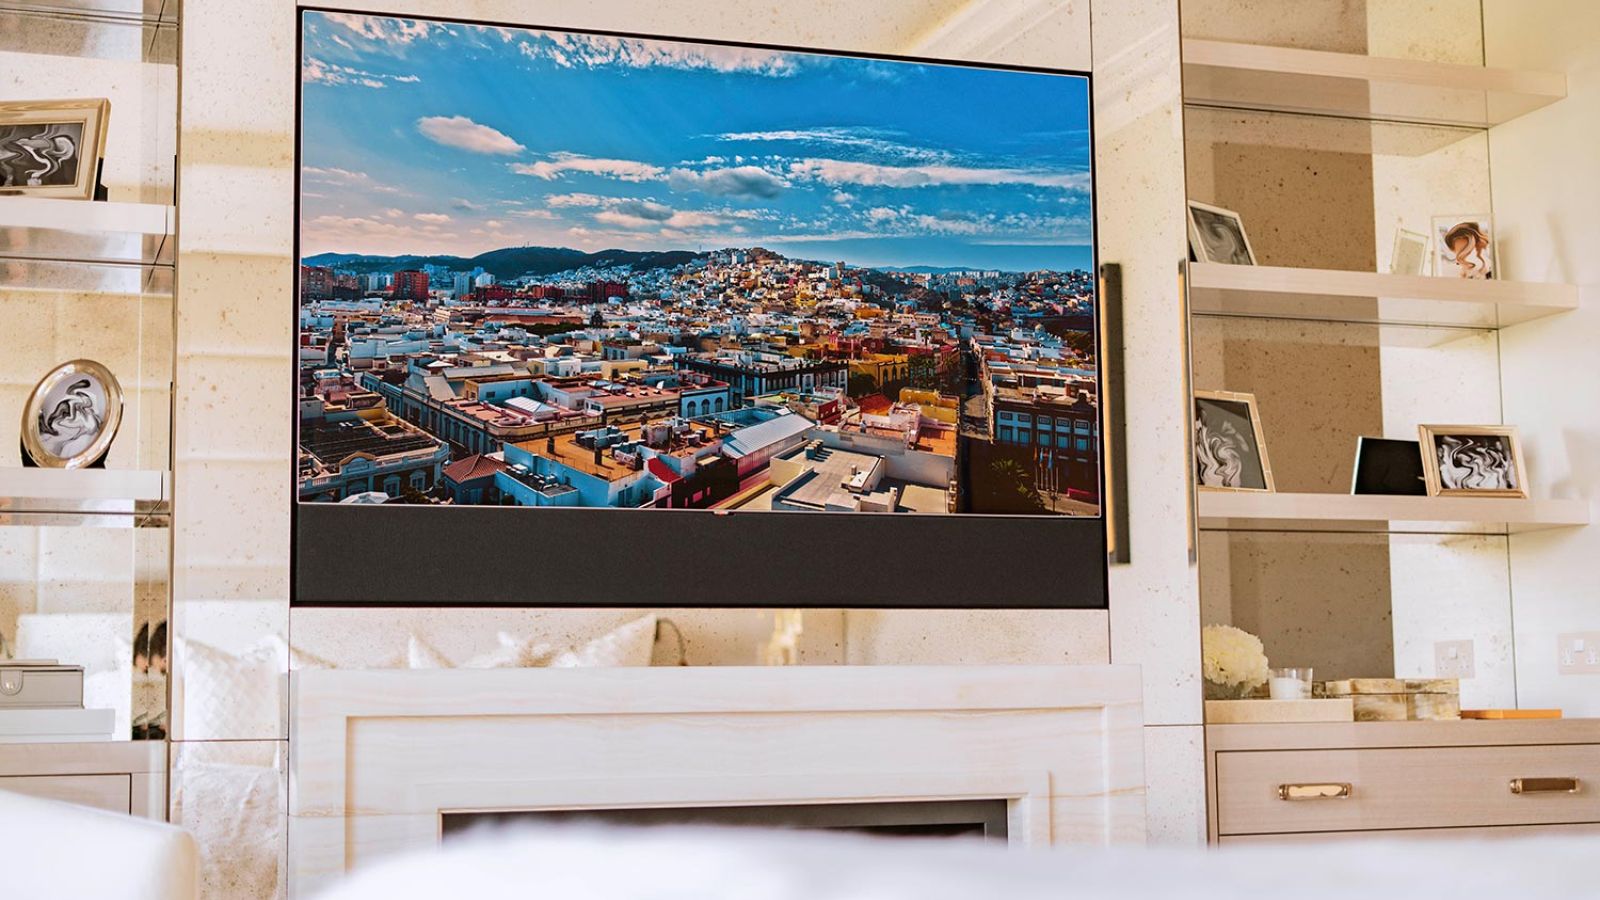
[1578,653]
[1453,659]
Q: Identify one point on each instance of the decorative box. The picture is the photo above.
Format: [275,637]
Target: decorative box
[1398,699]
[40,685]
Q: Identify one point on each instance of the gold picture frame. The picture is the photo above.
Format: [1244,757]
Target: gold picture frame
[39,138]
[72,415]
[1205,442]
[1481,454]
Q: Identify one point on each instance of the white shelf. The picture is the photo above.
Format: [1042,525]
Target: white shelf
[1260,511]
[118,498]
[1289,79]
[85,231]
[56,725]
[1369,297]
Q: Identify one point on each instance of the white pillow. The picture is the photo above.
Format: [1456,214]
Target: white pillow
[630,644]
[227,696]
[513,653]
[421,655]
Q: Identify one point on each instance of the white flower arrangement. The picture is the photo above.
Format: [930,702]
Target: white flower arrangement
[1232,659]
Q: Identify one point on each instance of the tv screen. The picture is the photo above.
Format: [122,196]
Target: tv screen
[589,318]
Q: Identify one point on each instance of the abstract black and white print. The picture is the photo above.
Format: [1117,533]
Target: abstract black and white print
[41,154]
[1225,450]
[72,415]
[1476,462]
[1221,237]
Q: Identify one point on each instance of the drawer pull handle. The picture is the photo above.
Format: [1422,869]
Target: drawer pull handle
[1329,791]
[1545,785]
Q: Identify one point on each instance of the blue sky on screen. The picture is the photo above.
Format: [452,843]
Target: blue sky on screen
[429,137]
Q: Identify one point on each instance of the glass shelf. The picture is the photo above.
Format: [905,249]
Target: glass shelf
[95,498]
[80,231]
[1304,131]
[157,13]
[144,31]
[1372,298]
[111,278]
[1252,76]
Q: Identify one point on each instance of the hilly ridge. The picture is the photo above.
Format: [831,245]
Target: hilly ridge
[508,262]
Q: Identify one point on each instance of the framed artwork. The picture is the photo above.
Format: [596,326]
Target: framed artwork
[1385,466]
[1230,452]
[72,416]
[1473,461]
[52,148]
[1463,246]
[1410,253]
[1217,235]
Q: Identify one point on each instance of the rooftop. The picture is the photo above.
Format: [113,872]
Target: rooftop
[752,438]
[334,442]
[473,467]
[582,459]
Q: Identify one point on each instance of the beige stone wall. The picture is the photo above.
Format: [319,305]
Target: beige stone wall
[233,444]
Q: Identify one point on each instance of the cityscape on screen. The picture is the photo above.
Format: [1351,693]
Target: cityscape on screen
[556,269]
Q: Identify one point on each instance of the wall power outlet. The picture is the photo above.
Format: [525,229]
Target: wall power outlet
[1578,653]
[1453,659]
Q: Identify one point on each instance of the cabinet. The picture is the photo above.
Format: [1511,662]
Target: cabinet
[1273,783]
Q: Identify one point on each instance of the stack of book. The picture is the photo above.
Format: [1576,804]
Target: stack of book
[41,700]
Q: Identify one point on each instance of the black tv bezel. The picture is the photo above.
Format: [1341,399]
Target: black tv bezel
[494,556]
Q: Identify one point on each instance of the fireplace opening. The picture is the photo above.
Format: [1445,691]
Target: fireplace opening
[977,819]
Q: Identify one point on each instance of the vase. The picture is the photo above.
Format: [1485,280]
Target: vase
[1217,691]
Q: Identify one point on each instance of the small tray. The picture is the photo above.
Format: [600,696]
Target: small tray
[1241,712]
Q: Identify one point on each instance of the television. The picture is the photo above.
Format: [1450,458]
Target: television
[589,318]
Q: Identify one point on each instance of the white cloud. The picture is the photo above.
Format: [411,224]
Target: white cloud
[873,140]
[561,163]
[381,29]
[333,175]
[837,172]
[533,214]
[464,134]
[393,213]
[882,214]
[433,218]
[742,181]
[317,71]
[571,51]
[558,201]
[842,198]
[648,214]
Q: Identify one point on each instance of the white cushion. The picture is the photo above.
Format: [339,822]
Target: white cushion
[627,645]
[707,864]
[52,849]
[231,696]
[421,655]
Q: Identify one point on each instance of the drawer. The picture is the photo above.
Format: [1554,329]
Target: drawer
[110,792]
[1430,787]
[1499,833]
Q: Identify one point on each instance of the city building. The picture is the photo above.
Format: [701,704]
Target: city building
[410,284]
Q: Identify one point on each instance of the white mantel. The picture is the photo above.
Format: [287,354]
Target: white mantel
[378,756]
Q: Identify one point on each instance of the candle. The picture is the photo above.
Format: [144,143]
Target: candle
[1290,684]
